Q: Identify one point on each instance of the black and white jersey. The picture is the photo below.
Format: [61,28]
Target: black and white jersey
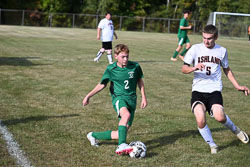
[209,79]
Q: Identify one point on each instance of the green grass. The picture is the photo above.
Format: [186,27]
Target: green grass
[46,72]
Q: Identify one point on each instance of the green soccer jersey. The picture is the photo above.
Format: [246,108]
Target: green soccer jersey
[183,33]
[123,80]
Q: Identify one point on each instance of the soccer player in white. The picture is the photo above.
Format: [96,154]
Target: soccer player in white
[207,59]
[105,32]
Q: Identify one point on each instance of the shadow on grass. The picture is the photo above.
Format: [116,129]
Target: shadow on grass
[35,118]
[170,139]
[17,61]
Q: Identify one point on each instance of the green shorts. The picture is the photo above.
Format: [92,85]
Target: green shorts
[183,40]
[130,104]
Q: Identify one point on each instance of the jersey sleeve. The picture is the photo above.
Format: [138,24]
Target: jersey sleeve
[101,24]
[106,77]
[139,70]
[190,55]
[224,61]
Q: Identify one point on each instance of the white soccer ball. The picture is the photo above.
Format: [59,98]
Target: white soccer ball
[139,149]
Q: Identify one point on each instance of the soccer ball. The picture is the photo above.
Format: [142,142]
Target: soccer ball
[139,149]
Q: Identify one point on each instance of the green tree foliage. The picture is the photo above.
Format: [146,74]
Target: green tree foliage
[20,4]
[204,8]
[200,9]
[63,6]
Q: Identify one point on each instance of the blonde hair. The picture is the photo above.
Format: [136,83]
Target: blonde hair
[121,48]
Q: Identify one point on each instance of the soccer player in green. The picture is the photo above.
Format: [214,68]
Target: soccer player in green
[124,76]
[183,38]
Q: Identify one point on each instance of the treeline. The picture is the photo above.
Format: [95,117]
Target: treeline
[151,8]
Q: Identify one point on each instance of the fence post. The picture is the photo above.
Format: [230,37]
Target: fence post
[73,21]
[97,21]
[194,27]
[164,25]
[50,20]
[219,28]
[0,16]
[22,19]
[143,24]
[169,26]
[246,29]
[120,23]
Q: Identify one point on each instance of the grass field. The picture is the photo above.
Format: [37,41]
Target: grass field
[46,72]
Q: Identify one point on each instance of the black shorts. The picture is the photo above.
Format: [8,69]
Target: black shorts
[208,99]
[107,45]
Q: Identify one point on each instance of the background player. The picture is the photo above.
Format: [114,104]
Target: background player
[183,38]
[208,59]
[124,76]
[106,31]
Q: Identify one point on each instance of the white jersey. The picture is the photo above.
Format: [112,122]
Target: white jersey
[209,79]
[107,30]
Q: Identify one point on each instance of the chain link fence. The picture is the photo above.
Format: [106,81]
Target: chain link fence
[69,20]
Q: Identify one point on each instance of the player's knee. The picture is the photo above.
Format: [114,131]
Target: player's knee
[218,112]
[102,50]
[127,115]
[124,113]
[220,118]
[109,52]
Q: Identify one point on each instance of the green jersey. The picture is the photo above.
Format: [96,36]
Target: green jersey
[183,33]
[123,80]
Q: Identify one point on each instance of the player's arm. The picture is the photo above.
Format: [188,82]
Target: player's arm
[186,68]
[98,33]
[97,89]
[185,28]
[144,101]
[229,73]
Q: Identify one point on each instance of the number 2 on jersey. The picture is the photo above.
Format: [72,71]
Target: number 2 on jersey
[126,84]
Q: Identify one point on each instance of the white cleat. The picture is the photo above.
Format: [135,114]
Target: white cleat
[123,149]
[241,135]
[93,141]
[214,149]
[111,62]
[96,60]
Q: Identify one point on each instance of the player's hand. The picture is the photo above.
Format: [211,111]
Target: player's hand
[245,90]
[98,37]
[85,101]
[144,103]
[199,66]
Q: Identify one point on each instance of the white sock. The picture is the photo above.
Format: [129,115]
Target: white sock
[230,125]
[109,57]
[99,54]
[207,136]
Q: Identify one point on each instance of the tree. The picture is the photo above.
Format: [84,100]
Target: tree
[19,4]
